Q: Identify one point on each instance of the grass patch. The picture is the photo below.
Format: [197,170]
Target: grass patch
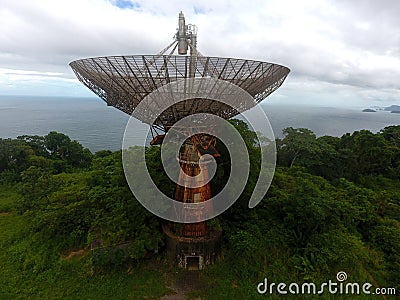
[27,270]
[8,198]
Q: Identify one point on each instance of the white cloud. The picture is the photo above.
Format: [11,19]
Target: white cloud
[24,72]
[351,46]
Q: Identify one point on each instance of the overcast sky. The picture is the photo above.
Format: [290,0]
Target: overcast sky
[339,52]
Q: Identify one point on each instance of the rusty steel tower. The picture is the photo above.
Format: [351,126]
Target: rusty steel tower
[124,81]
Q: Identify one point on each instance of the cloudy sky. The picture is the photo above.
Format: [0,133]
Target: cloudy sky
[339,52]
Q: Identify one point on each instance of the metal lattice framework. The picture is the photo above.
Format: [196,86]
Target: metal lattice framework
[124,81]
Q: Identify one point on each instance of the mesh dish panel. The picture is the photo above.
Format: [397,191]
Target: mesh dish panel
[124,81]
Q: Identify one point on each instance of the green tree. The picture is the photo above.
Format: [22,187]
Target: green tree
[365,153]
[392,135]
[14,155]
[301,147]
[60,146]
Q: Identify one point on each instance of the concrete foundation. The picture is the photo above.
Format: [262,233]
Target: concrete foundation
[193,253]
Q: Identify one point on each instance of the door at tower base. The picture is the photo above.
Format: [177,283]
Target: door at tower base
[193,253]
[193,263]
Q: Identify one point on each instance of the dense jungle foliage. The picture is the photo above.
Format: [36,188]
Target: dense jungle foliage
[334,205]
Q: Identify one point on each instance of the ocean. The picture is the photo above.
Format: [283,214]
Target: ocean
[98,126]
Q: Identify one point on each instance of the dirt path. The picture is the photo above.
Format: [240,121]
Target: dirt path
[184,283]
[375,283]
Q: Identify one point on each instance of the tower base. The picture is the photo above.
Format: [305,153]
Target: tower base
[192,253]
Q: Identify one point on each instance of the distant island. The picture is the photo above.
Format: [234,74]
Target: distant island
[393,109]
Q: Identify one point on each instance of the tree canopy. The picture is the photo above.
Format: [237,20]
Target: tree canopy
[334,204]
